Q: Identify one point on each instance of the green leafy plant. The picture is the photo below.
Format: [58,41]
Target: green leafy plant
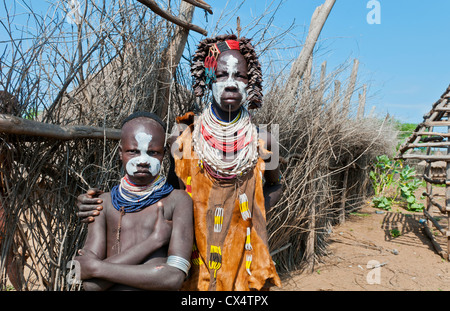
[408,184]
[395,233]
[382,176]
[391,180]
[382,202]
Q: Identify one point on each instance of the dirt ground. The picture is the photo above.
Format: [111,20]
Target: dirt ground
[375,251]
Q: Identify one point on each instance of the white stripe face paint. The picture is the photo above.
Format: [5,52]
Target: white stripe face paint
[143,141]
[219,87]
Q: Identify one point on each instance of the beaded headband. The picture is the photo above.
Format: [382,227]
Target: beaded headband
[211,59]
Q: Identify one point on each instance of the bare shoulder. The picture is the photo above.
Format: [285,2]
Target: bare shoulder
[180,204]
[106,197]
[179,196]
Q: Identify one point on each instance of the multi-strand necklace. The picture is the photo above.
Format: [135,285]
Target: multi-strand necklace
[132,198]
[236,140]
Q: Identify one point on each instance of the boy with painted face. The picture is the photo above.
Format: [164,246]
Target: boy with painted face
[143,238]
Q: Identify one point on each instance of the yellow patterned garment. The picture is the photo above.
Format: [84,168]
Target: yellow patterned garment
[230,251]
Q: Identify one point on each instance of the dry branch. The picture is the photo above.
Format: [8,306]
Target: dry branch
[430,180]
[436,245]
[152,5]
[434,221]
[200,4]
[15,125]
[433,202]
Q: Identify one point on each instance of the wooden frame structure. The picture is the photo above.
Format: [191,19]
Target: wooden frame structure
[431,135]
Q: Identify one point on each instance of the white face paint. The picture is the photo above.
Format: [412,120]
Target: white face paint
[143,141]
[219,87]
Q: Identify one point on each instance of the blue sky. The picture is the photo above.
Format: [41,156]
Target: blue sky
[405,59]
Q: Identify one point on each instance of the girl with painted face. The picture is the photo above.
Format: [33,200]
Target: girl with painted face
[230,87]
[218,160]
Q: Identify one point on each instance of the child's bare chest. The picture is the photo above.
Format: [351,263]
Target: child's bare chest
[125,230]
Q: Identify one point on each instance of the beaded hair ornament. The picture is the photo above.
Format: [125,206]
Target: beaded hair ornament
[204,65]
[211,59]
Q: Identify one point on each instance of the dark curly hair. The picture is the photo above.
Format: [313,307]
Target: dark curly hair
[254,73]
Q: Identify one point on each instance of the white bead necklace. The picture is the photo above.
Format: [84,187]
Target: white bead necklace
[212,140]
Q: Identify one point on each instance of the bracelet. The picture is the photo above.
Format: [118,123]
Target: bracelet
[179,263]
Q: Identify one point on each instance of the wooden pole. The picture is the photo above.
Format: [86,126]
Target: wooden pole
[323,73]
[344,197]
[171,58]
[447,200]
[336,97]
[14,125]
[307,77]
[310,244]
[318,20]
[362,103]
[350,88]
[436,245]
[432,157]
[429,189]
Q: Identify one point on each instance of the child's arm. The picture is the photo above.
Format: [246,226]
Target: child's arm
[96,236]
[182,238]
[95,245]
